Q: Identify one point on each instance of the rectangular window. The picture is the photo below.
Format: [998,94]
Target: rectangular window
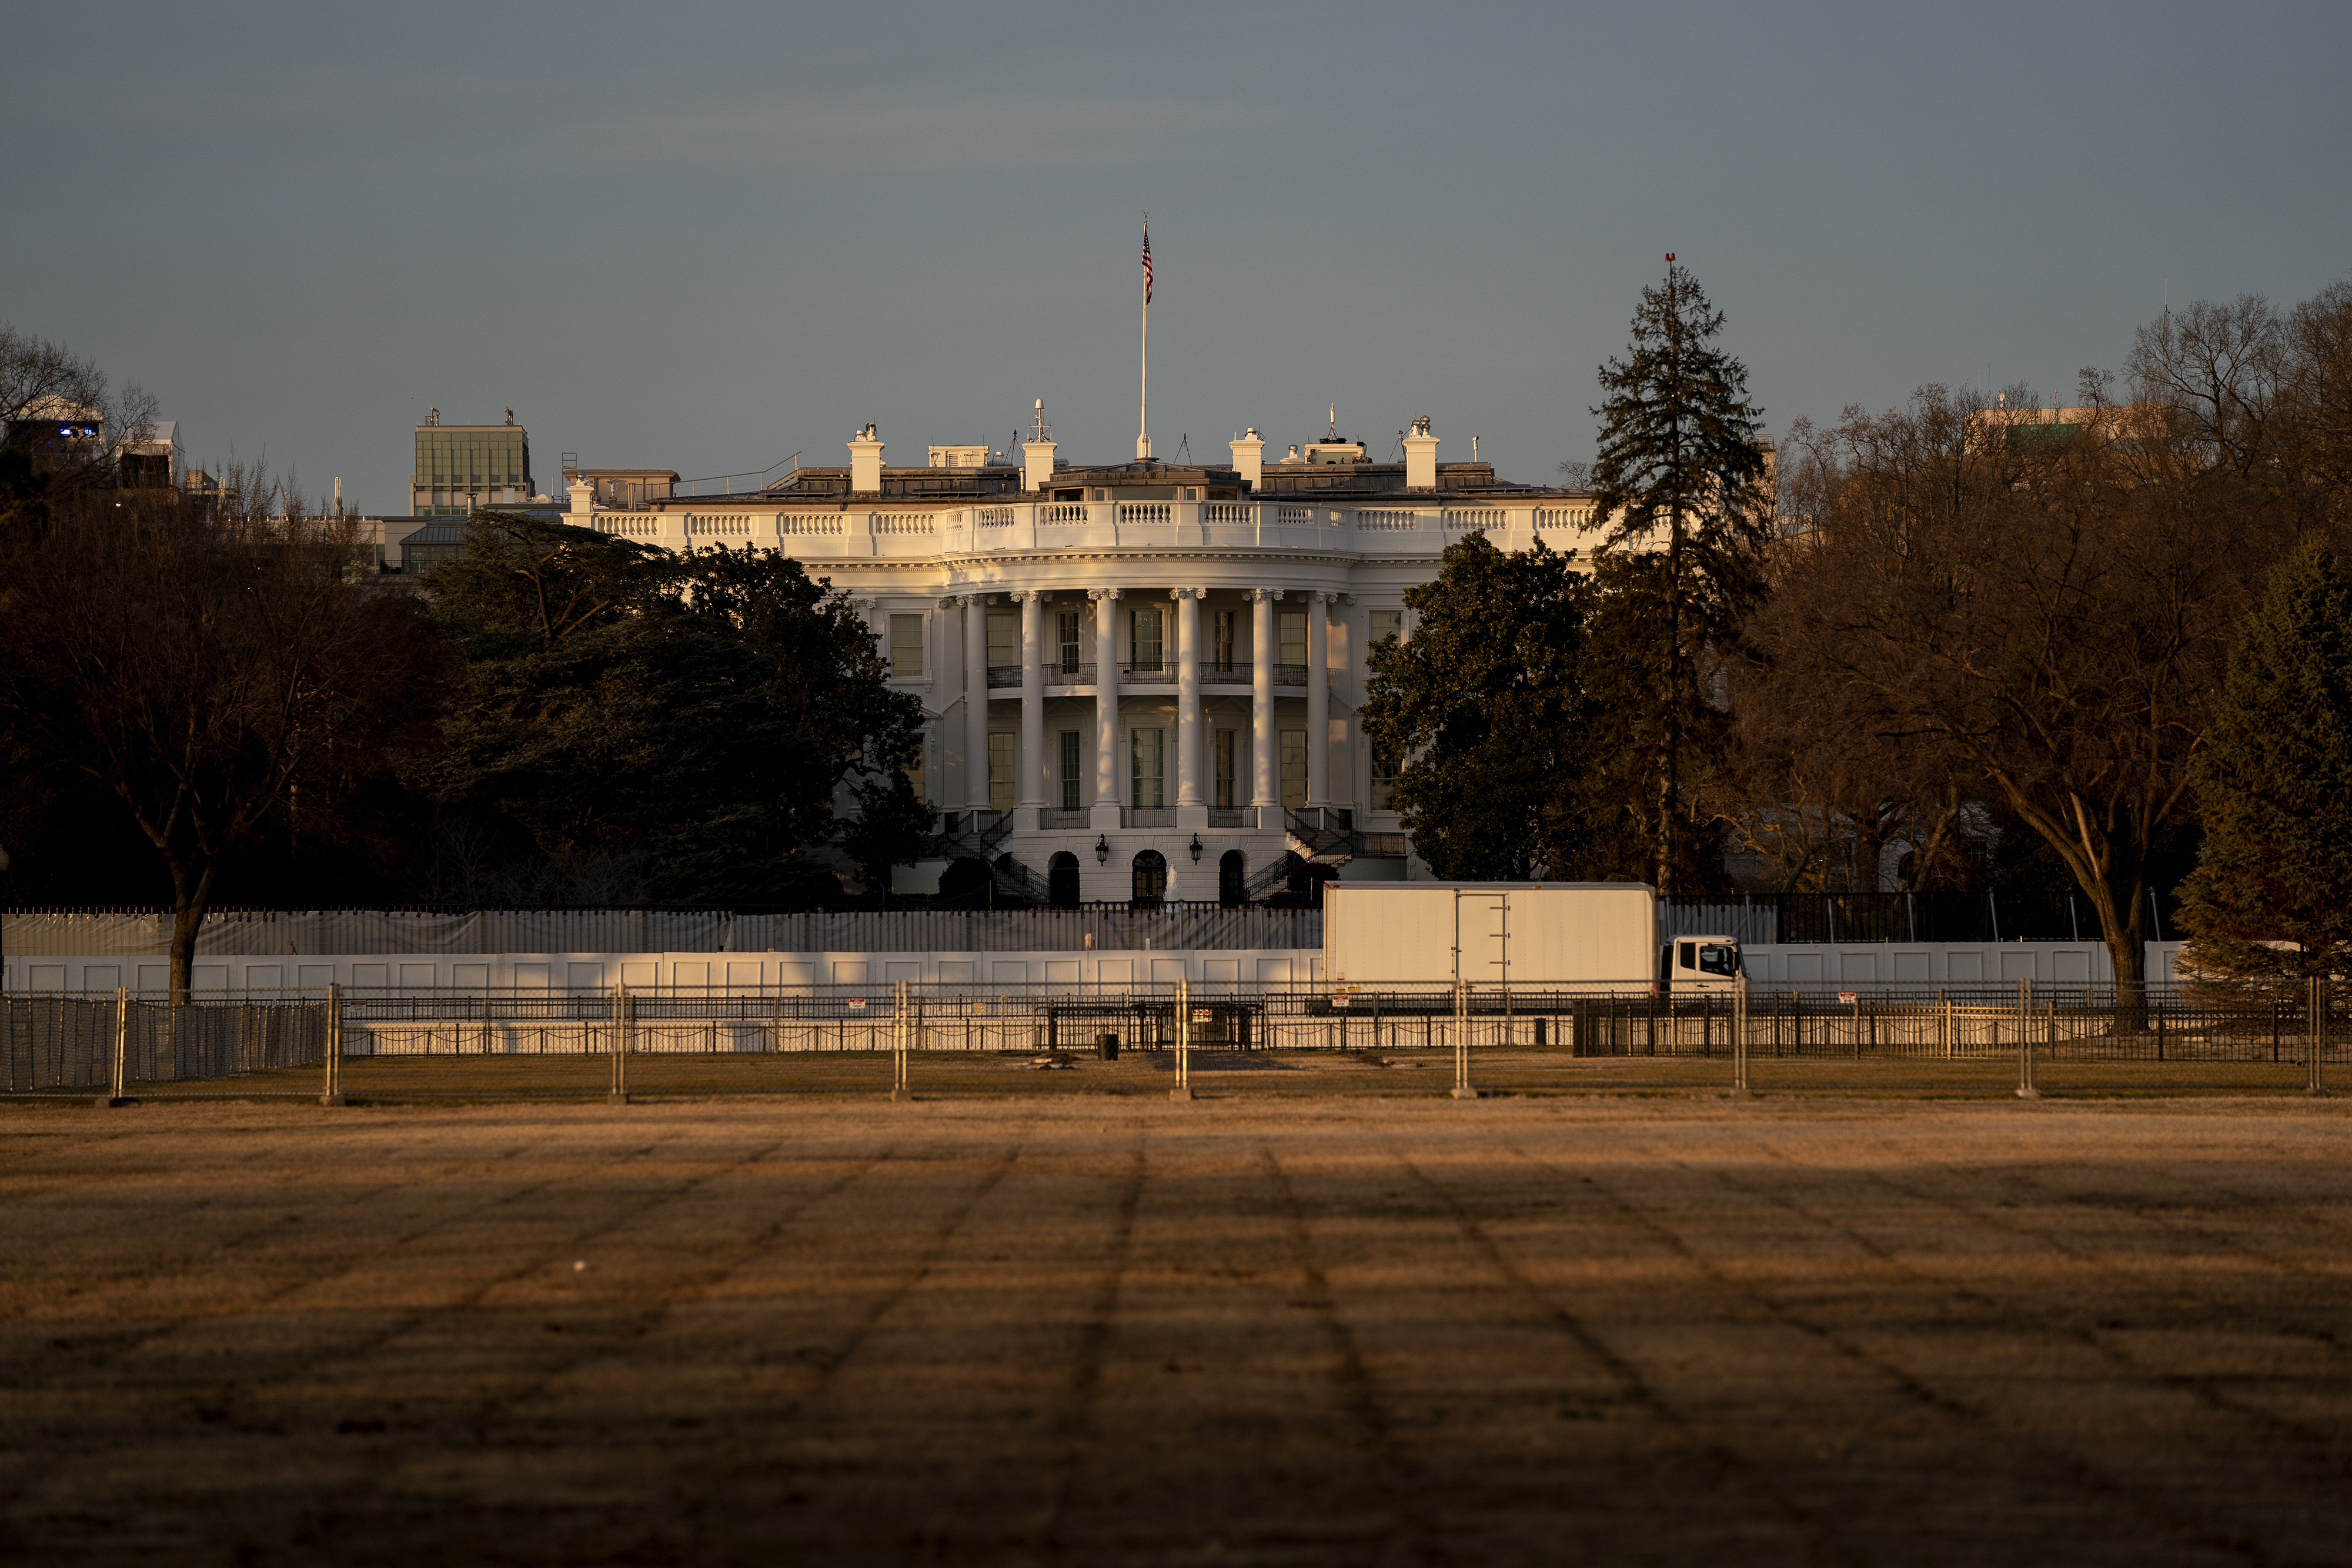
[1004,759]
[1067,626]
[1004,641]
[1383,782]
[1225,751]
[1149,768]
[1071,757]
[1294,768]
[1293,634]
[1382,623]
[1228,621]
[906,645]
[1144,638]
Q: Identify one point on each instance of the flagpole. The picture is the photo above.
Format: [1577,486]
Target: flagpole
[1143,396]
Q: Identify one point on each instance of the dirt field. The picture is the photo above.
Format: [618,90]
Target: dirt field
[1114,1330]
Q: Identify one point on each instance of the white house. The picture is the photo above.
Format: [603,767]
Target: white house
[1141,680]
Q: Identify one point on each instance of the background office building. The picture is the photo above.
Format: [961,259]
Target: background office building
[460,467]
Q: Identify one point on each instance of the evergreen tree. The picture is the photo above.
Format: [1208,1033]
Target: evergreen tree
[1484,708]
[1679,475]
[2274,778]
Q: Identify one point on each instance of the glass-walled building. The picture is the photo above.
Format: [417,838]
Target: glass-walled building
[460,467]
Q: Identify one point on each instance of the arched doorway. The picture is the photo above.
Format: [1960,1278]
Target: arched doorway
[1151,879]
[1062,881]
[1233,879]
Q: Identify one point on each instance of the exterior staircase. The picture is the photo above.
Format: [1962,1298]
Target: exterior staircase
[978,835]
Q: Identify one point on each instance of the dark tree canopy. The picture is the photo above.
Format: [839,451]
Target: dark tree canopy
[670,726]
[2272,894]
[1485,708]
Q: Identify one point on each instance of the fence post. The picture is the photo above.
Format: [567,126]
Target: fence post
[1739,1036]
[333,1093]
[901,1027]
[1461,1089]
[2025,1089]
[620,1090]
[2317,1080]
[114,1096]
[1183,1090]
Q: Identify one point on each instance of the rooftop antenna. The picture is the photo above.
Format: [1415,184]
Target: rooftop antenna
[1335,424]
[1184,448]
[1042,429]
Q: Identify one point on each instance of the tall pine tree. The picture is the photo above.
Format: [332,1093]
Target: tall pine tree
[2274,778]
[1680,480]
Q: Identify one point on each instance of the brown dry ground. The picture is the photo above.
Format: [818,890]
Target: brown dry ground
[1103,1330]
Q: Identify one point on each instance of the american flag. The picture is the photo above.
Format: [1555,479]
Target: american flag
[1147,263]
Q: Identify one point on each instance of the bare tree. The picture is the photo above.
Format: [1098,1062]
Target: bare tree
[2056,611]
[57,407]
[214,674]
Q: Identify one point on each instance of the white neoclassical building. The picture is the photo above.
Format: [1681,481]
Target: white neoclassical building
[1141,681]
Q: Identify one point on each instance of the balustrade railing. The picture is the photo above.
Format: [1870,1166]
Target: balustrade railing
[1563,516]
[904,522]
[1381,518]
[1063,512]
[994,517]
[1146,511]
[1225,512]
[704,525]
[789,524]
[629,524]
[1476,517]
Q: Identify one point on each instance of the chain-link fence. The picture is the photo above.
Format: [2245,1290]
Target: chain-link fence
[1265,1039]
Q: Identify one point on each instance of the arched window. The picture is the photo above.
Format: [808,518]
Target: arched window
[1062,881]
[1233,879]
[1150,878]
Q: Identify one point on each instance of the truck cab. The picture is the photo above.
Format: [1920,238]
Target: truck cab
[1693,965]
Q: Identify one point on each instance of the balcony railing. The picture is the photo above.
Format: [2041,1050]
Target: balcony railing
[1148,817]
[1055,817]
[1232,673]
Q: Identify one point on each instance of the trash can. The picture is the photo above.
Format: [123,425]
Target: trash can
[1108,1046]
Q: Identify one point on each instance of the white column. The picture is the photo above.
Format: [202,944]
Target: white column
[1319,699]
[975,698]
[1029,789]
[1191,810]
[1264,800]
[1107,657]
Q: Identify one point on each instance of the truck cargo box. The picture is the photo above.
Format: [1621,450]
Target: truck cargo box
[1600,934]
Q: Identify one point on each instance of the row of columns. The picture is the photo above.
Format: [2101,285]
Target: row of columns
[1029,784]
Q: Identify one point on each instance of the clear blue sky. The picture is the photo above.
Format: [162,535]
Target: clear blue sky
[707,236]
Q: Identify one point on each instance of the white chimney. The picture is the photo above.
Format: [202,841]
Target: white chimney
[1036,464]
[584,499]
[1249,456]
[1420,457]
[866,462]
[339,494]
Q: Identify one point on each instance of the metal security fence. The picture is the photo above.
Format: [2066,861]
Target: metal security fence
[112,1042]
[912,1038]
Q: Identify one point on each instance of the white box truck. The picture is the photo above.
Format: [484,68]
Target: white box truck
[1591,936]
